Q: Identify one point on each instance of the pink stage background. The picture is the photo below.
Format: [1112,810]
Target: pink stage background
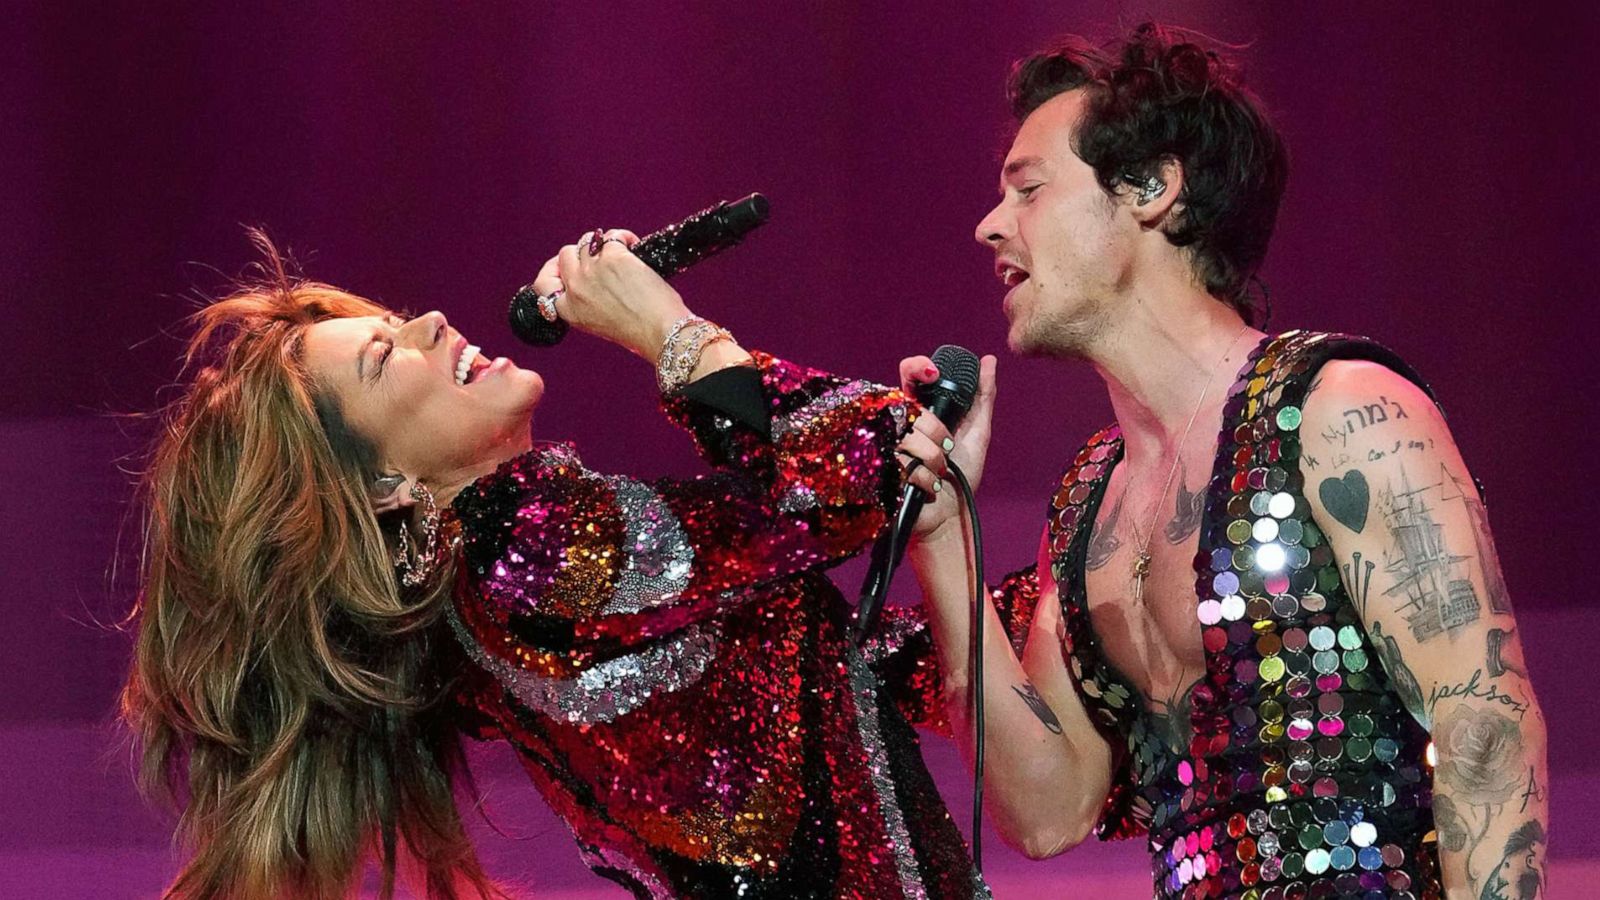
[433,154]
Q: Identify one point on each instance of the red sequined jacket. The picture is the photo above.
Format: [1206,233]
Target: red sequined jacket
[674,668]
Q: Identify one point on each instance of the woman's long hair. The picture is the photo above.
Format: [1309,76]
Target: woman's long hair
[285,692]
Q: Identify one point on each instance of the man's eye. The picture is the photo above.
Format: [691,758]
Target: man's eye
[1027,191]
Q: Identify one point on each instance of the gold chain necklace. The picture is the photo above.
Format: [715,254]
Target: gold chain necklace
[1141,555]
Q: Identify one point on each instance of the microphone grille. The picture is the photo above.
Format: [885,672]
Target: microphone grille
[959,365]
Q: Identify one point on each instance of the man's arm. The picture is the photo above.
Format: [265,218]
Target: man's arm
[1411,537]
[1047,770]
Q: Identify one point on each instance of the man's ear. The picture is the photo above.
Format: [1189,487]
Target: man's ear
[1157,195]
[390,492]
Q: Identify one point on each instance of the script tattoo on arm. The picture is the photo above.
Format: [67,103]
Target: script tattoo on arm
[1038,707]
[1104,543]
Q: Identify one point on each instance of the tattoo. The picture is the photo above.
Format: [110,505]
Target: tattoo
[1311,462]
[1362,417]
[1104,543]
[1405,683]
[1346,499]
[1439,595]
[1191,507]
[1359,581]
[1495,659]
[1171,719]
[1038,707]
[1494,581]
[1531,792]
[1452,828]
[1518,875]
[1471,688]
[1480,756]
[1480,764]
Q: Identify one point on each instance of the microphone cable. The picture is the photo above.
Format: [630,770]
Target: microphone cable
[975,658]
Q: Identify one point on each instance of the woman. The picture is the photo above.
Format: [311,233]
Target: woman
[355,552]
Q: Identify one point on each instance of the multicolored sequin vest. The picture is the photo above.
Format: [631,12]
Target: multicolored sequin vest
[1304,776]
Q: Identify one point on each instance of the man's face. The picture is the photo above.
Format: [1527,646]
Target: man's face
[1062,246]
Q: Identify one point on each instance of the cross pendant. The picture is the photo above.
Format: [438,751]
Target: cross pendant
[1141,568]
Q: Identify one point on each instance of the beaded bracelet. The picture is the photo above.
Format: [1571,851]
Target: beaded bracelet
[686,342]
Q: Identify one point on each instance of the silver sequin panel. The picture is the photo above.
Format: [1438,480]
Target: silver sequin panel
[657,555]
[605,691]
[806,416]
[865,688]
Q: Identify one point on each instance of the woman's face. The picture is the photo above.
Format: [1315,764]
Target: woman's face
[397,385]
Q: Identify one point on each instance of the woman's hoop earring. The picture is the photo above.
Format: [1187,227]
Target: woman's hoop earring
[418,565]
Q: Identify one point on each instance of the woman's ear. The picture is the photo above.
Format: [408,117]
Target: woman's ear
[389,492]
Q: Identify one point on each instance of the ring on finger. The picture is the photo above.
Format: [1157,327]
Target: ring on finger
[547,304]
[597,239]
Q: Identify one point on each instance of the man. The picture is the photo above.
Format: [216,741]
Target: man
[1264,591]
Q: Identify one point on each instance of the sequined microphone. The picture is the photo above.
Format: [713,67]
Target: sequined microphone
[668,252]
[948,398]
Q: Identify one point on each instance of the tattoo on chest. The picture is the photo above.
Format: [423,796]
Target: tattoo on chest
[1104,543]
[1038,707]
[1170,719]
[1191,507]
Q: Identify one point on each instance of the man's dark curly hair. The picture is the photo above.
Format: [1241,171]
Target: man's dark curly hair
[1152,98]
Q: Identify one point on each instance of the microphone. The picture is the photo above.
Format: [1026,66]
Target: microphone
[948,398]
[668,252]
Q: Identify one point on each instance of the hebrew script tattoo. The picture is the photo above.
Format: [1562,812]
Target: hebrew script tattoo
[1038,707]
[1360,418]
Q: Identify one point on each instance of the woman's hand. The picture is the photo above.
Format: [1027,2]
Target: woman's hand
[610,293]
[927,442]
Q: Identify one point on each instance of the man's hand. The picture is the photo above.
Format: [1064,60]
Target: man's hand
[929,440]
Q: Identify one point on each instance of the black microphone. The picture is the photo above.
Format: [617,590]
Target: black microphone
[668,252]
[948,398]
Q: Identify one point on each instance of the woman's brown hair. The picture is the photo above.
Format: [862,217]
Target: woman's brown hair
[286,693]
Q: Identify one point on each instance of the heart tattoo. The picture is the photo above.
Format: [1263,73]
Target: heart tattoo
[1346,498]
